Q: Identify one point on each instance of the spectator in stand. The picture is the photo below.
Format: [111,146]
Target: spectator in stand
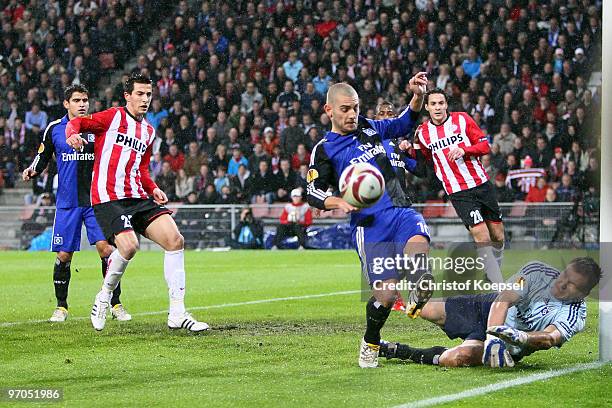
[286,181]
[184,184]
[242,185]
[166,181]
[505,139]
[155,166]
[537,193]
[270,141]
[566,192]
[175,158]
[292,136]
[294,220]
[301,156]
[236,161]
[35,119]
[503,193]
[209,195]
[263,185]
[558,165]
[194,160]
[156,113]
[221,178]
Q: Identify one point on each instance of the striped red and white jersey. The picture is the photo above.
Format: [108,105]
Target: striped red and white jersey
[122,152]
[435,142]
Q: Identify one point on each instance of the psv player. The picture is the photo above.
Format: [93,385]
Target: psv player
[126,200]
[455,143]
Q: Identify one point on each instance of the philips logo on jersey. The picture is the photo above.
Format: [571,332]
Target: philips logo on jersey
[446,142]
[131,142]
[66,157]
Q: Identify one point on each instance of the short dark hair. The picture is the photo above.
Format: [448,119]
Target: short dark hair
[128,86]
[385,103]
[70,89]
[434,92]
[588,268]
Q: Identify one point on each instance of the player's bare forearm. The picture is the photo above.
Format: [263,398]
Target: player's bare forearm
[543,340]
[499,308]
[332,203]
[416,103]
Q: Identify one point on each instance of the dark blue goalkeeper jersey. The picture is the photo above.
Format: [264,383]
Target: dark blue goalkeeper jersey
[74,168]
[370,143]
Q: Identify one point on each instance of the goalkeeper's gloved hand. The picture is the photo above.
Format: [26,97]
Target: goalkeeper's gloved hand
[509,335]
[495,353]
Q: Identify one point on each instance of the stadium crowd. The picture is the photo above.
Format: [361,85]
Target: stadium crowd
[240,86]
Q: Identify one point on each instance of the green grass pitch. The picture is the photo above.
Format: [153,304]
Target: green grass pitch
[292,352]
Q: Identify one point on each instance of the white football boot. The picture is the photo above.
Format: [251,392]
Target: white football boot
[187,322]
[118,312]
[99,310]
[368,355]
[60,314]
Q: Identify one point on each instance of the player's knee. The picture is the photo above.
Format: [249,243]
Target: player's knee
[64,256]
[463,357]
[176,242]
[128,249]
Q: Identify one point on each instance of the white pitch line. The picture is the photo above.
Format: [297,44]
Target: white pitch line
[219,306]
[474,392]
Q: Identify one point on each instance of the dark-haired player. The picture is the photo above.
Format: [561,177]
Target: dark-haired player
[126,200]
[545,310]
[73,201]
[388,228]
[454,143]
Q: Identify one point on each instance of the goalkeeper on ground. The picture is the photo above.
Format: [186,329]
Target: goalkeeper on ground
[498,329]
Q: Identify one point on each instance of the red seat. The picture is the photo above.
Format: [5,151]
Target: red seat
[259,211]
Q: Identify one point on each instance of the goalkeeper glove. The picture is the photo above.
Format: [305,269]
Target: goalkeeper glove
[495,353]
[509,334]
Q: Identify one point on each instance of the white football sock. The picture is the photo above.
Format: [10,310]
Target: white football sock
[116,268]
[174,272]
[491,267]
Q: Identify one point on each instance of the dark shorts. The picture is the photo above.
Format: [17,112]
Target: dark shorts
[383,236]
[129,214]
[467,315]
[477,205]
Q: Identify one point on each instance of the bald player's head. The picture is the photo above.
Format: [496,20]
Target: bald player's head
[342,108]
[340,89]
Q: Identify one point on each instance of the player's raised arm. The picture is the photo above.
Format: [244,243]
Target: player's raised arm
[404,123]
[45,152]
[94,123]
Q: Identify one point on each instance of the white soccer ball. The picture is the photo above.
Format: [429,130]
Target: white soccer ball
[361,185]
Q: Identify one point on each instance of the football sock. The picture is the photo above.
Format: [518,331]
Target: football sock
[61,280]
[174,272]
[376,316]
[491,265]
[421,356]
[498,252]
[116,268]
[117,292]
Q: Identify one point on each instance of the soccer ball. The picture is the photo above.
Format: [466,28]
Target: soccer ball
[361,185]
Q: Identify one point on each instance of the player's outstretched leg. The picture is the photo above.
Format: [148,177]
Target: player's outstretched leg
[164,232]
[61,281]
[405,352]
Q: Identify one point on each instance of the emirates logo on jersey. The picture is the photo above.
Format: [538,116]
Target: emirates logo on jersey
[446,142]
[131,142]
